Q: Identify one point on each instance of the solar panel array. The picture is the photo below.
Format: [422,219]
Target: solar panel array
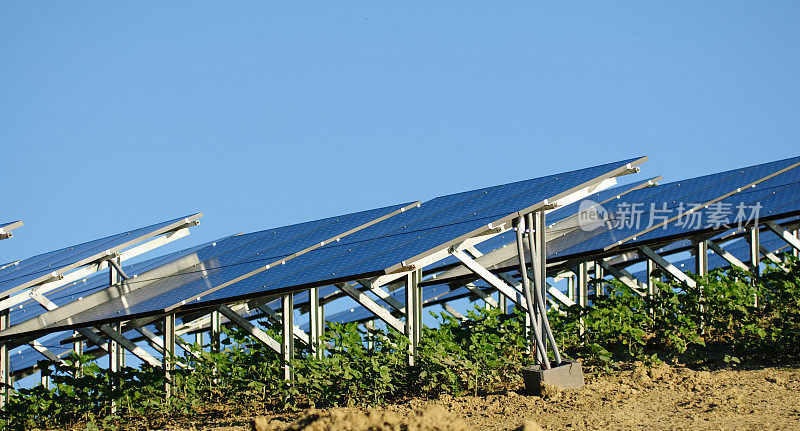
[40,268]
[377,242]
[777,195]
[259,266]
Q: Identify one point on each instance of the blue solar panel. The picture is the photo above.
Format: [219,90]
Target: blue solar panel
[37,268]
[696,190]
[235,256]
[79,289]
[555,216]
[429,227]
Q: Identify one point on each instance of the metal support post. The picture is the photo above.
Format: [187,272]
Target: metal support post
[315,322]
[598,279]
[77,348]
[651,283]
[287,336]
[583,292]
[571,288]
[113,364]
[198,338]
[755,252]
[45,380]
[370,325]
[795,251]
[5,369]
[418,297]
[755,258]
[169,353]
[701,269]
[215,331]
[412,315]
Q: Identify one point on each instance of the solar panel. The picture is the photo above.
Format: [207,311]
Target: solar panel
[41,268]
[431,292]
[433,226]
[669,197]
[77,290]
[558,215]
[7,227]
[233,257]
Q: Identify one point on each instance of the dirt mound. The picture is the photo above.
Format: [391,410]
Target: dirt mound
[432,418]
[658,397]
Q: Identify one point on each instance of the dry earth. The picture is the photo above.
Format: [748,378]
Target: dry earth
[662,397]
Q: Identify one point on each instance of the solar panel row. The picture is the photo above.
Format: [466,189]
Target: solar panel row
[378,242]
[49,265]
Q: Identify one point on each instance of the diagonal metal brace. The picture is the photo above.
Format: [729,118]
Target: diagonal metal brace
[130,346]
[373,307]
[666,266]
[249,327]
[784,234]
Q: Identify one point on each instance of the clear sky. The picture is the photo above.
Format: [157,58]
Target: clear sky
[260,114]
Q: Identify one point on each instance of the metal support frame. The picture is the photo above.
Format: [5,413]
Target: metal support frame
[169,353]
[487,298]
[582,281]
[721,252]
[413,325]
[701,269]
[791,238]
[571,288]
[287,336]
[115,336]
[253,330]
[624,277]
[453,311]
[215,331]
[115,352]
[755,250]
[315,320]
[537,244]
[373,307]
[5,368]
[668,267]
[599,287]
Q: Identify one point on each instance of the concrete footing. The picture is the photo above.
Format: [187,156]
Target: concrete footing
[567,375]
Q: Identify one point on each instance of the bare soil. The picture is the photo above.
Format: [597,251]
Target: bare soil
[661,397]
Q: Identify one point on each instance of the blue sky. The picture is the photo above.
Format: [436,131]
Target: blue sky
[264,114]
